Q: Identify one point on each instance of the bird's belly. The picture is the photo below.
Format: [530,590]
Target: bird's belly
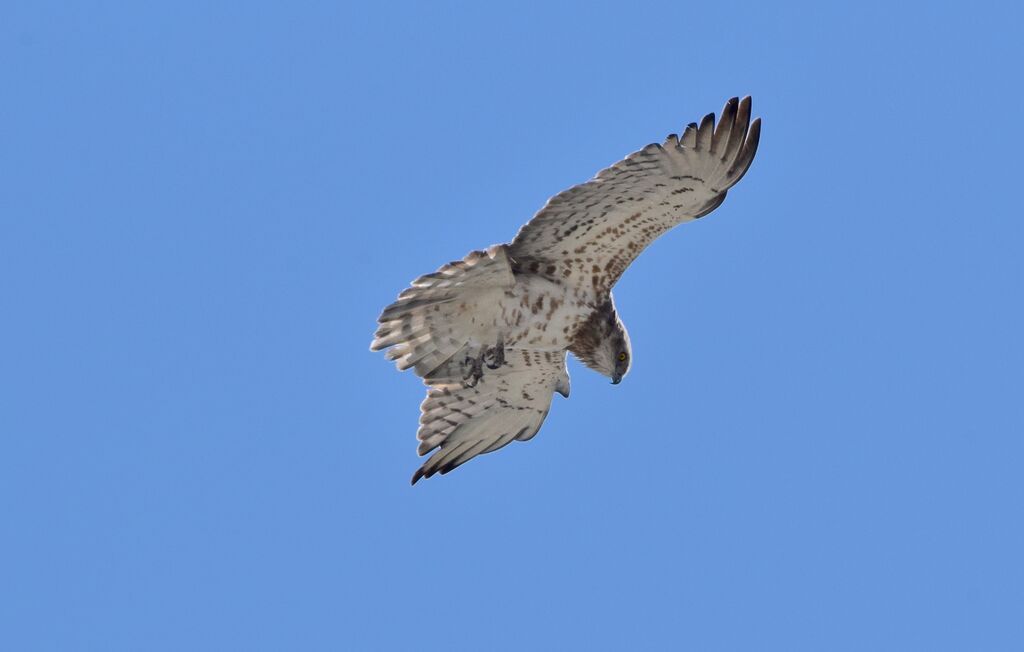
[540,315]
[533,314]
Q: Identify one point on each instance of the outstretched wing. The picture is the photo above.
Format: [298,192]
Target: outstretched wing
[507,404]
[593,231]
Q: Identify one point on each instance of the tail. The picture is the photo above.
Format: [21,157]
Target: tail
[423,326]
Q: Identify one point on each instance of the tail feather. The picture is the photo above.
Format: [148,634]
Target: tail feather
[421,328]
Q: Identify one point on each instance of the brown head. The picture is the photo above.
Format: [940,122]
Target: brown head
[602,343]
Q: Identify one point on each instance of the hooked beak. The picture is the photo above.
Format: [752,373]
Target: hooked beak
[616,379]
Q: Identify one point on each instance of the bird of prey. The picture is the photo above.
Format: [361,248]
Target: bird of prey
[489,333]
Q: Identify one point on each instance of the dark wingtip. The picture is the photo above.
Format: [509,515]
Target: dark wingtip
[705,132]
[416,476]
[723,134]
[754,136]
[749,149]
[712,205]
[729,108]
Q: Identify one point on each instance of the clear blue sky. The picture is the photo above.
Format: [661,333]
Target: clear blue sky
[203,207]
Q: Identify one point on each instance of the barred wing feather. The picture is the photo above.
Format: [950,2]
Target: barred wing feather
[507,404]
[596,229]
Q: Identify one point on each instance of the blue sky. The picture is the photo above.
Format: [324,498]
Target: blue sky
[205,205]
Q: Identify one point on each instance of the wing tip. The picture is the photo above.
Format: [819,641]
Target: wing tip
[705,131]
[748,150]
[689,137]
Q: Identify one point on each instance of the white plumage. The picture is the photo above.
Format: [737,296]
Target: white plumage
[489,333]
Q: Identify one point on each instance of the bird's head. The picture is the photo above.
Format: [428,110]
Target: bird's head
[602,344]
[617,346]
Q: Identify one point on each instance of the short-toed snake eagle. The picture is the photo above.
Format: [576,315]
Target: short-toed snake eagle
[489,333]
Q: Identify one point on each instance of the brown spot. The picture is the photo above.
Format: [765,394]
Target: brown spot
[554,306]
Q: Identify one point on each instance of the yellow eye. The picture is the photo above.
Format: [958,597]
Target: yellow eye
[622,357]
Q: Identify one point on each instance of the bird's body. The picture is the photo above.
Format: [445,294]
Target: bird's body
[489,334]
[535,312]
